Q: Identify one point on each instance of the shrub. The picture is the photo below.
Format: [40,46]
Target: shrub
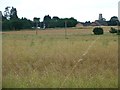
[118,33]
[98,31]
[113,30]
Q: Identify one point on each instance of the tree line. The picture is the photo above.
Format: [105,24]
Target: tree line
[11,21]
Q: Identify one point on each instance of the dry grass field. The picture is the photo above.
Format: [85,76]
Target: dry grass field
[48,60]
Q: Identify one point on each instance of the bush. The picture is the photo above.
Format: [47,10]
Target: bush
[98,31]
[118,33]
[113,30]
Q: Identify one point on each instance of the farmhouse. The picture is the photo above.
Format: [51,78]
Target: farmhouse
[78,25]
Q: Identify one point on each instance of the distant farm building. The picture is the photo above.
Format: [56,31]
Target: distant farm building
[100,22]
[79,25]
[94,24]
[87,23]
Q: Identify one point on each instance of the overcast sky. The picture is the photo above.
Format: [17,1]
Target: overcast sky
[82,10]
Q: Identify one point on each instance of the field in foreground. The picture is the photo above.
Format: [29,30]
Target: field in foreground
[51,61]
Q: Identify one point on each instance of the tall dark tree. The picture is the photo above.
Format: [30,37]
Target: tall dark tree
[10,20]
[54,22]
[113,21]
[13,13]
[55,18]
[47,18]
[36,22]
[26,24]
[72,22]
[46,21]
[114,18]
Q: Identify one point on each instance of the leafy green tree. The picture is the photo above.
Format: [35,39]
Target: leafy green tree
[71,22]
[36,22]
[12,22]
[6,25]
[113,21]
[26,24]
[55,18]
[47,20]
[60,22]
[13,13]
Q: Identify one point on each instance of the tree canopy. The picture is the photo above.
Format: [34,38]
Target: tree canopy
[11,21]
